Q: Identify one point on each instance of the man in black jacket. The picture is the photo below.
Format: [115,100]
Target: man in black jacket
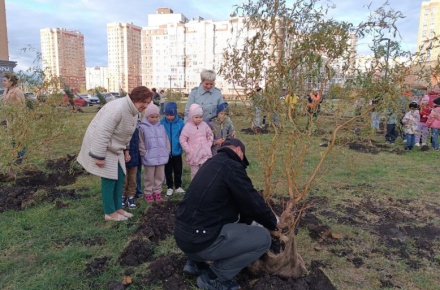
[209,220]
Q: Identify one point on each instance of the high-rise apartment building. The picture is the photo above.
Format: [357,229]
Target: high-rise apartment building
[62,56]
[97,76]
[175,50]
[163,50]
[5,64]
[124,56]
[429,26]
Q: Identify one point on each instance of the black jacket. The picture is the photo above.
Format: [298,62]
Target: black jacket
[220,193]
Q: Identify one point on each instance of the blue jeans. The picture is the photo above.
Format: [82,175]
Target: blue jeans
[434,136]
[410,140]
[375,120]
[139,190]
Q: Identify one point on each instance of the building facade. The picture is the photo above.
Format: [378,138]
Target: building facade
[97,76]
[63,56]
[124,56]
[429,26]
[6,66]
[175,50]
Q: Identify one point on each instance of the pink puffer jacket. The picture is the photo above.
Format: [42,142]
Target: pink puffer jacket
[196,140]
[434,119]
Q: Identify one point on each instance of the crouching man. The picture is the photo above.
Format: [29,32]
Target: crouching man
[212,220]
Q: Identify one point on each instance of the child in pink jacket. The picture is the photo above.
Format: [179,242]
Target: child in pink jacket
[433,122]
[196,139]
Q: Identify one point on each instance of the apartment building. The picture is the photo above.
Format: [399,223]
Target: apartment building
[97,76]
[124,56]
[63,57]
[175,50]
[429,26]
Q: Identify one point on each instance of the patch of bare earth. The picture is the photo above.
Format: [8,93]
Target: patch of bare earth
[166,272]
[58,172]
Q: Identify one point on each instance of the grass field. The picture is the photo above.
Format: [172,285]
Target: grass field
[385,207]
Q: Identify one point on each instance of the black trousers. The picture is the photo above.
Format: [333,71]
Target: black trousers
[174,165]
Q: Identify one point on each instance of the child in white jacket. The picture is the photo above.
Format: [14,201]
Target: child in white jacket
[411,122]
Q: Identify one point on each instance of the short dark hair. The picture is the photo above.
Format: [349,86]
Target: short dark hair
[141,94]
[153,89]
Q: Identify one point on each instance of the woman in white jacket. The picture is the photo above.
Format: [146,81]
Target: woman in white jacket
[102,150]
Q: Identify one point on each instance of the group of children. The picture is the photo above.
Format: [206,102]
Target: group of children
[158,144]
[418,120]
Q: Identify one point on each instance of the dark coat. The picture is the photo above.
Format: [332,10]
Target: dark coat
[133,150]
[220,193]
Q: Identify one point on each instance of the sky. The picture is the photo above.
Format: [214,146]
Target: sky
[25,18]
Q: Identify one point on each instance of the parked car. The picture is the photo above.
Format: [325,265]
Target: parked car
[94,100]
[117,95]
[85,97]
[76,100]
[109,97]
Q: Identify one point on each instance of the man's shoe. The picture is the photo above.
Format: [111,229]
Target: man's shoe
[138,195]
[169,192]
[204,282]
[180,190]
[195,268]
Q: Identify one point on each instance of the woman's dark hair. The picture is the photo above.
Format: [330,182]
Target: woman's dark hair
[12,78]
[141,94]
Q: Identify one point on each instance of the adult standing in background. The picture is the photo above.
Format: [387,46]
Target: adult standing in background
[162,102]
[12,94]
[102,150]
[206,95]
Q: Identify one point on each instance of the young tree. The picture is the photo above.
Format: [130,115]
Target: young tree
[298,48]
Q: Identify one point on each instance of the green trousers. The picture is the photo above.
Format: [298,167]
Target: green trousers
[111,191]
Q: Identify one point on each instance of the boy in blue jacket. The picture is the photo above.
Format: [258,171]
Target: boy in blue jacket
[173,126]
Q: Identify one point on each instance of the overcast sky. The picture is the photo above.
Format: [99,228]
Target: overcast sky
[25,18]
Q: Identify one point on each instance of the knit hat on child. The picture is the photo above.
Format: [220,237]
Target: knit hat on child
[437,101]
[413,105]
[223,107]
[198,111]
[171,109]
[152,109]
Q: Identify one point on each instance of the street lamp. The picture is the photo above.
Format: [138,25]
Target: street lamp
[170,78]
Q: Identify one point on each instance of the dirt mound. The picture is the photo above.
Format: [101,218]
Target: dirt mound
[28,182]
[405,230]
[136,253]
[96,267]
[165,271]
[62,171]
[158,221]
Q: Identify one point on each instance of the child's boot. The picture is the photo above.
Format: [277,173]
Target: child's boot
[149,197]
[157,196]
